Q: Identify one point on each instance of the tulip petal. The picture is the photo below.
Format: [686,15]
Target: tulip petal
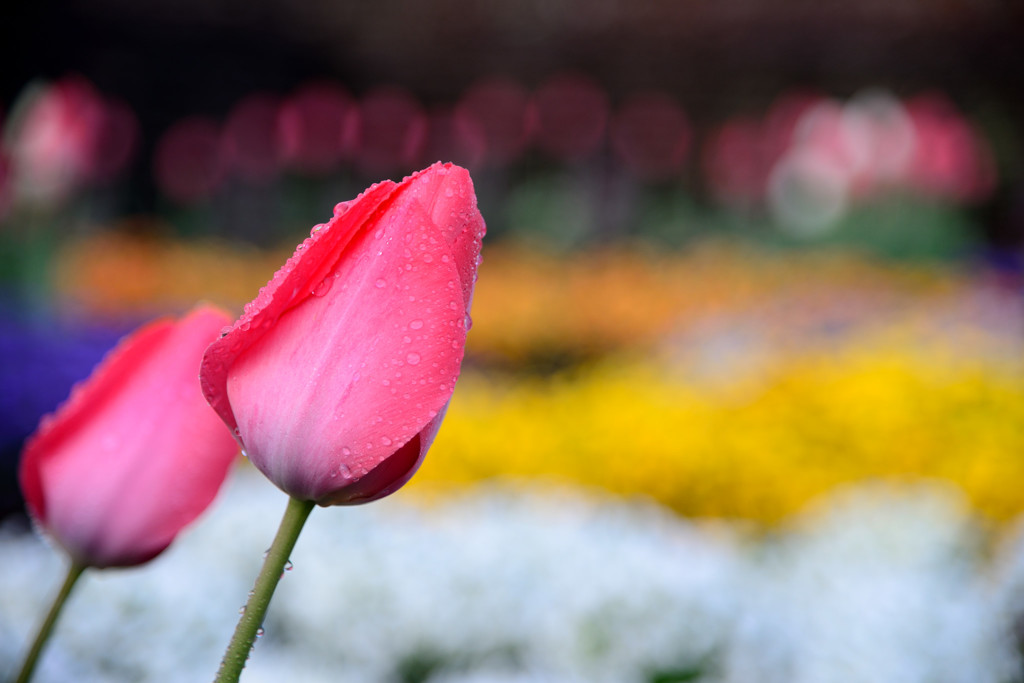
[312,261]
[448,198]
[337,375]
[135,453]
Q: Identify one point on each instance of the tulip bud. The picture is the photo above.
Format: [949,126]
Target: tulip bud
[135,453]
[337,376]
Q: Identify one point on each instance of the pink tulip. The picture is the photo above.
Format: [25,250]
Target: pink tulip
[135,453]
[337,376]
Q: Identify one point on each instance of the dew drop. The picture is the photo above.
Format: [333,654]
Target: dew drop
[444,258]
[345,450]
[416,324]
[385,441]
[407,339]
[323,287]
[379,233]
[413,358]
[386,382]
[381,283]
[427,258]
[288,566]
[345,470]
[259,632]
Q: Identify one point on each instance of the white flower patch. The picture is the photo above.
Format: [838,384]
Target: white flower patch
[543,585]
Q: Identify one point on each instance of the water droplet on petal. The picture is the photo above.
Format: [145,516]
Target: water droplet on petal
[416,324]
[385,441]
[381,283]
[413,358]
[345,450]
[427,258]
[323,287]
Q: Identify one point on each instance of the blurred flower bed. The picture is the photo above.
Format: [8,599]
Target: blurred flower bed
[532,304]
[503,584]
[720,381]
[611,379]
[758,446]
[804,164]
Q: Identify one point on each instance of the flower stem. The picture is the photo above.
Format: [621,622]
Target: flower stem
[46,628]
[274,562]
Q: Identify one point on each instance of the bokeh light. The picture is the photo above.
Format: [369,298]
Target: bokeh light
[189,161]
[316,127]
[250,138]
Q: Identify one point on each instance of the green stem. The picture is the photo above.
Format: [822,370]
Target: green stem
[259,599]
[29,665]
